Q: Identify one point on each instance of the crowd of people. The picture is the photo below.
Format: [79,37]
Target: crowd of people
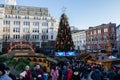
[81,70]
[27,74]
[74,70]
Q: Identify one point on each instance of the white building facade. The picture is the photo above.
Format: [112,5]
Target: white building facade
[25,23]
[79,39]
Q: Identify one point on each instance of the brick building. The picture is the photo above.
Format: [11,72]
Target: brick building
[101,38]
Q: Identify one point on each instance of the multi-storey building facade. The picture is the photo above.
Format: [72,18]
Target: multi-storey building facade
[24,23]
[118,39]
[73,28]
[79,39]
[102,37]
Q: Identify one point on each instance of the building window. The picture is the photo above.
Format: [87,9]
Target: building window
[26,30]
[35,23]
[44,24]
[26,23]
[36,30]
[6,29]
[94,31]
[16,29]
[105,37]
[51,36]
[6,22]
[9,7]
[17,17]
[99,31]
[113,30]
[44,37]
[35,12]
[45,31]
[18,11]
[105,29]
[16,36]
[91,32]
[16,22]
[7,16]
[26,17]
[26,37]
[51,29]
[36,18]
[35,37]
[99,38]
[52,24]
[6,37]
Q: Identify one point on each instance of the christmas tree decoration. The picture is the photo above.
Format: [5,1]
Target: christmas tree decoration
[64,42]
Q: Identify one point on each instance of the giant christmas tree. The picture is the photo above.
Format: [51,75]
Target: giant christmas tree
[64,40]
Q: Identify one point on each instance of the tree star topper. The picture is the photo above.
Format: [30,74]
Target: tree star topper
[64,9]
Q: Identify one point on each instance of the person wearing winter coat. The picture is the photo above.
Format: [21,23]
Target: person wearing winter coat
[8,72]
[97,75]
[70,72]
[27,74]
[111,74]
[3,75]
[76,73]
[54,73]
[38,73]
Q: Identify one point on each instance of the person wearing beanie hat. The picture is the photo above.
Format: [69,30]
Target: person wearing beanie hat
[3,76]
